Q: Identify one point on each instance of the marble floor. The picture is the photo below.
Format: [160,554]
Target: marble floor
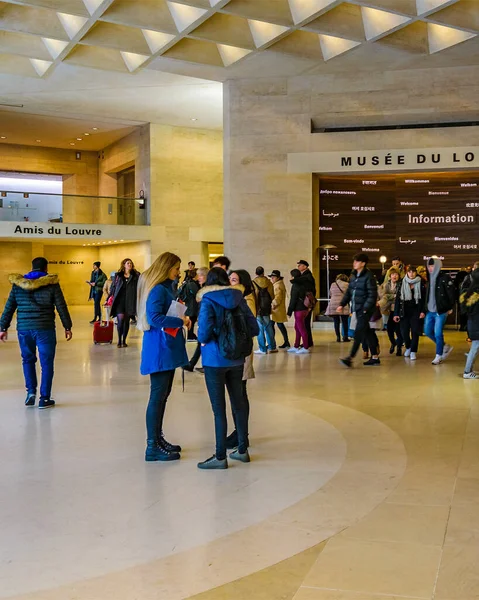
[363,484]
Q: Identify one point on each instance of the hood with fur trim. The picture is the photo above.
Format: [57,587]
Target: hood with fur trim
[32,284]
[226,296]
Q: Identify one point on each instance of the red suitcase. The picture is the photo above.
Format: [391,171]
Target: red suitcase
[103,330]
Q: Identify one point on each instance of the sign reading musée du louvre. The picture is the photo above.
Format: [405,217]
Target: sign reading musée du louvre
[384,160]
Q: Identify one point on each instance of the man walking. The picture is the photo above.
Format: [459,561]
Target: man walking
[35,297]
[309,284]
[362,296]
[97,281]
[440,300]
[264,293]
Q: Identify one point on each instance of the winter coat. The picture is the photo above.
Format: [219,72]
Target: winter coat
[470,306]
[107,287]
[362,292]
[116,287]
[35,301]
[187,294]
[387,296]
[336,294]
[445,293]
[403,307]
[215,300]
[161,351]
[309,282]
[262,282]
[279,302]
[100,282]
[298,294]
[248,370]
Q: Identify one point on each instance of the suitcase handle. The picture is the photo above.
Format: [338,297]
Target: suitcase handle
[105,322]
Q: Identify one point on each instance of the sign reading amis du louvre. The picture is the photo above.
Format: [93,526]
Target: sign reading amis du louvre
[384,160]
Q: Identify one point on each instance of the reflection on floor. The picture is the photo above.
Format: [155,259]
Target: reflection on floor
[364,483]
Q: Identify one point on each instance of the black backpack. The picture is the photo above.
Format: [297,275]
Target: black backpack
[233,335]
[264,302]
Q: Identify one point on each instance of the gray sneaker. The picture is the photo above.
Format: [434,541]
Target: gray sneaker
[236,455]
[213,463]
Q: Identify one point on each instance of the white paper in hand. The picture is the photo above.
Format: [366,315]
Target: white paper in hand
[176,310]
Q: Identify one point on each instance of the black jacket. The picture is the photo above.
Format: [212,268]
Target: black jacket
[35,301]
[470,306]
[297,295]
[445,293]
[309,282]
[403,306]
[362,292]
[118,284]
[187,294]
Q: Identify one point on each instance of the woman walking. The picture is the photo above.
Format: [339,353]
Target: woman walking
[226,327]
[336,293]
[124,292]
[410,310]
[301,313]
[163,349]
[388,292]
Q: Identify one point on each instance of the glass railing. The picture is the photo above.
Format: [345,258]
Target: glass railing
[68,208]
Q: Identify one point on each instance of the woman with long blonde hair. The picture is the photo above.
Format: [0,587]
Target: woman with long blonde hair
[163,348]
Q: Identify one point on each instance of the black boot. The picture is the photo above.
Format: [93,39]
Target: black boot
[155,452]
[167,446]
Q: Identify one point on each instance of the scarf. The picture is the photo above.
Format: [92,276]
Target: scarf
[406,292]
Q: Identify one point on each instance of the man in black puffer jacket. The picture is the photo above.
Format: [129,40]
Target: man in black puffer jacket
[35,297]
[362,295]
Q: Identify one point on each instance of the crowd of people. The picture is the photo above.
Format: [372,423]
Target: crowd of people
[230,309]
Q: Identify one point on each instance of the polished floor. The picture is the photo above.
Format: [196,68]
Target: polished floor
[363,485]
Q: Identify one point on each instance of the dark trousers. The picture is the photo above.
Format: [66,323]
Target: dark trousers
[191,333]
[394,332]
[160,389]
[411,330]
[338,320]
[309,330]
[284,331]
[123,326]
[364,333]
[97,300]
[46,342]
[234,434]
[196,356]
[218,379]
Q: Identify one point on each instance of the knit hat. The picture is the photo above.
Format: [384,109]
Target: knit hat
[39,264]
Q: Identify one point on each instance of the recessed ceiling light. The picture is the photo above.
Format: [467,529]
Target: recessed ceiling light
[109,242]
[79,139]
[86,134]
[115,241]
[95,128]
[72,143]
[122,240]
[194,119]
[3,137]
[38,141]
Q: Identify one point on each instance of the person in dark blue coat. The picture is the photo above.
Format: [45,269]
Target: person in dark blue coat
[217,298]
[163,348]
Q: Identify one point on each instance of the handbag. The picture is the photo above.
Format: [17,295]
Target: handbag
[310,300]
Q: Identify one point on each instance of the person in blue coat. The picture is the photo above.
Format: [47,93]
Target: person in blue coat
[163,348]
[217,298]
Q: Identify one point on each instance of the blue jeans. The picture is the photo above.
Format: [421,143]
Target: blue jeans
[46,342]
[266,328]
[434,329]
[217,378]
[471,357]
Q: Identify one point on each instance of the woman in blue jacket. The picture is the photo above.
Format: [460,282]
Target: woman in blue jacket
[217,298]
[163,348]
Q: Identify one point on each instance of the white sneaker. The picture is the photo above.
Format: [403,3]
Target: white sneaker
[470,375]
[447,350]
[407,354]
[437,360]
[260,352]
[303,351]
[413,356]
[292,350]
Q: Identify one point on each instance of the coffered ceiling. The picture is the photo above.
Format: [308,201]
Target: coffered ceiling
[218,39]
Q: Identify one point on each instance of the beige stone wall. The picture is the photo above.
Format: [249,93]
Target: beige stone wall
[269,214]
[79,176]
[133,149]
[111,256]
[186,191]
[16,258]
